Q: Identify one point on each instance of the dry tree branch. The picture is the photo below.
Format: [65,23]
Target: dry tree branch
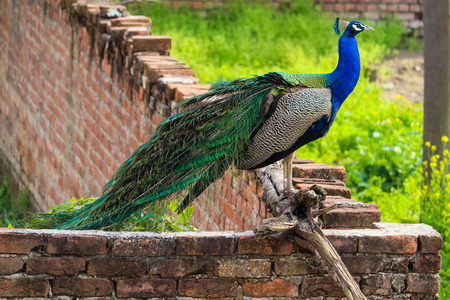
[298,212]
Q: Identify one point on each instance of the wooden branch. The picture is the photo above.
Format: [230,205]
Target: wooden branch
[298,212]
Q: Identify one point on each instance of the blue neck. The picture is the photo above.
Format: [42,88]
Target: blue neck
[344,78]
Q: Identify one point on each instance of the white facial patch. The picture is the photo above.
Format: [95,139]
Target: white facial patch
[356,27]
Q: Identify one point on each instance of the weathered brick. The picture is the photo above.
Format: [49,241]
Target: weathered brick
[145,288]
[396,265]
[125,21]
[243,268]
[109,267]
[179,267]
[19,243]
[10,265]
[24,287]
[151,43]
[331,190]
[290,267]
[397,244]
[380,284]
[208,287]
[274,288]
[57,266]
[81,287]
[321,286]
[76,245]
[421,283]
[342,244]
[352,217]
[205,245]
[425,297]
[276,245]
[319,171]
[430,242]
[363,264]
[143,247]
[427,264]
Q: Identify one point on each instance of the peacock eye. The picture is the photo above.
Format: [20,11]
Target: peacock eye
[357,27]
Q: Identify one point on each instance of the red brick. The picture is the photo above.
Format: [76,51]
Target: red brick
[330,189]
[430,243]
[277,245]
[205,245]
[380,284]
[397,265]
[292,267]
[126,21]
[403,7]
[143,247]
[253,268]
[427,264]
[148,288]
[342,244]
[415,8]
[77,245]
[421,283]
[321,286]
[274,288]
[10,265]
[151,43]
[363,264]
[319,171]
[388,244]
[352,217]
[208,288]
[57,266]
[178,267]
[108,267]
[19,243]
[81,287]
[24,287]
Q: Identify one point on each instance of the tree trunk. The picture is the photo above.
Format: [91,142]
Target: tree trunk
[436,20]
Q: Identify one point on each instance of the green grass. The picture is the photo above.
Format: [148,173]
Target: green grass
[379,141]
[12,207]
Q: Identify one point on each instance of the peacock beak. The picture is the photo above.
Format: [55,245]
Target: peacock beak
[367,27]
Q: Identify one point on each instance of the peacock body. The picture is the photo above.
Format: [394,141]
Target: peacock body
[250,122]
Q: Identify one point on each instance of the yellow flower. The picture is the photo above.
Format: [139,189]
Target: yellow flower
[433,148]
[444,139]
[428,144]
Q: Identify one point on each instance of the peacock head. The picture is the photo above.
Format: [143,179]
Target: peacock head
[351,28]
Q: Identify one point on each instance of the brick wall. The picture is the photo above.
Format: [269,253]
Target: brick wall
[81,92]
[410,11]
[390,262]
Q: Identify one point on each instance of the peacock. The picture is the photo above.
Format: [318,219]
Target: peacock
[248,122]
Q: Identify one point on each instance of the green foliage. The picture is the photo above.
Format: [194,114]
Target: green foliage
[12,208]
[240,39]
[435,204]
[165,222]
